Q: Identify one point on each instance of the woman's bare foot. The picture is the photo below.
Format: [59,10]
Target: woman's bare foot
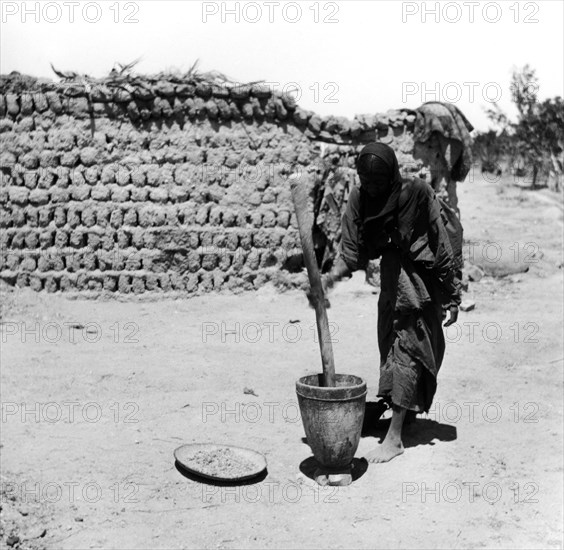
[385,452]
[392,445]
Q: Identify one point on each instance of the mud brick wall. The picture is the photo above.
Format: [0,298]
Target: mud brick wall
[162,185]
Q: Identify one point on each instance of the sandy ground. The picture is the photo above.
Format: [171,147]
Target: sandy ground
[91,416]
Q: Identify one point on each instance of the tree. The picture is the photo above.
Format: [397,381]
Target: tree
[536,140]
[539,136]
[524,87]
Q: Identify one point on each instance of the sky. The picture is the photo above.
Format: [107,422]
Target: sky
[341,58]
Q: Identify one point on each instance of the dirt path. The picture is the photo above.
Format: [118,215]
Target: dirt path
[91,416]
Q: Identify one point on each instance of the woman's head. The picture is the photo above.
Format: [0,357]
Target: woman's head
[378,170]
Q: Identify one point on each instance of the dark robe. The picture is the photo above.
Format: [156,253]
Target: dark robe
[418,281]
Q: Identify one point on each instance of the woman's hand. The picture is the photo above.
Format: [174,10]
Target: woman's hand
[310,299]
[453,316]
[328,282]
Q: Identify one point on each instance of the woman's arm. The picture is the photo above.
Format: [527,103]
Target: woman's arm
[352,252]
[444,267]
[352,256]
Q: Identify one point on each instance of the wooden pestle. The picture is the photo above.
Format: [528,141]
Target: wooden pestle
[304,217]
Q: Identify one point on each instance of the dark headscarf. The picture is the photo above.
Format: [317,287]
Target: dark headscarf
[393,215]
[379,163]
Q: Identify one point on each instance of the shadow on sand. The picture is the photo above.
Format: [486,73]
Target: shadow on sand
[220,483]
[421,431]
[310,465]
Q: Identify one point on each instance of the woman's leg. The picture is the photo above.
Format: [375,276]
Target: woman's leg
[401,379]
[392,445]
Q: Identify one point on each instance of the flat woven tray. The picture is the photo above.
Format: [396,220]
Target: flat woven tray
[220,462]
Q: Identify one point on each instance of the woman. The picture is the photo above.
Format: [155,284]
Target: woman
[400,221]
